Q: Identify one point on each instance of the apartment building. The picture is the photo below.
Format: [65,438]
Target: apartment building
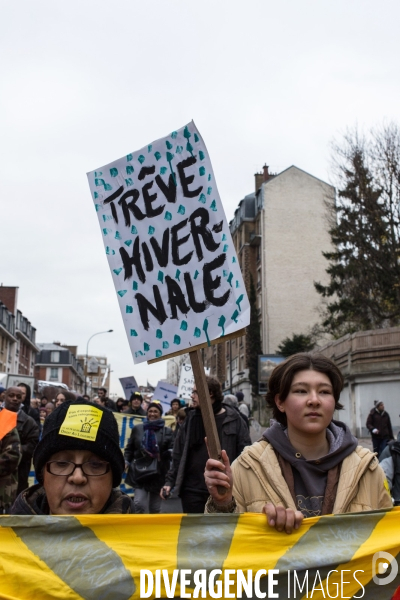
[17,336]
[56,363]
[280,231]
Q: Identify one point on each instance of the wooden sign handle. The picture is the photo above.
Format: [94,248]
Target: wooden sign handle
[207,413]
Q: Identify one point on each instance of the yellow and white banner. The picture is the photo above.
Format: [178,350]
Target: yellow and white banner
[121,557]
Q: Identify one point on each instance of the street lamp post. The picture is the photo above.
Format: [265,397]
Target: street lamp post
[87,352]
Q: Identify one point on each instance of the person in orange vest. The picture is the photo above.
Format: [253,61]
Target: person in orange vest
[10,456]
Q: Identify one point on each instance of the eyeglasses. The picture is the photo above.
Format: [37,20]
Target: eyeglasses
[12,395]
[65,468]
[195,392]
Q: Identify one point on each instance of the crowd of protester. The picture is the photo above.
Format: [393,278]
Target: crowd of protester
[306,463]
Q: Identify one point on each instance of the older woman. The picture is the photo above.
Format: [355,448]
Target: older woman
[307,464]
[150,438]
[78,463]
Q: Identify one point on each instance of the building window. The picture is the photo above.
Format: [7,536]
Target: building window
[53,373]
[95,379]
[54,357]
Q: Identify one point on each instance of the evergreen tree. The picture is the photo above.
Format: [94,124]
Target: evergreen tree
[253,339]
[297,343]
[364,269]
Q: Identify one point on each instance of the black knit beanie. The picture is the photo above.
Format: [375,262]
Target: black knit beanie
[82,429]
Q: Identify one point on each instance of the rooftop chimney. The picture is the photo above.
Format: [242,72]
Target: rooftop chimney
[259,177]
[9,296]
[262,177]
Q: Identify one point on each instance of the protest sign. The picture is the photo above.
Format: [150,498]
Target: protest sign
[169,247]
[186,381]
[165,392]
[129,386]
[122,557]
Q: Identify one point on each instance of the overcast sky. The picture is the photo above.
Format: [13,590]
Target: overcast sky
[86,82]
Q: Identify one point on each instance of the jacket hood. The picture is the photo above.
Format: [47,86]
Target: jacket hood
[341,444]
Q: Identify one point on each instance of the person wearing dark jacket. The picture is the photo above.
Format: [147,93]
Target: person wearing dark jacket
[150,438]
[28,431]
[105,400]
[136,400]
[231,400]
[390,463]
[26,403]
[190,454]
[380,427]
[78,463]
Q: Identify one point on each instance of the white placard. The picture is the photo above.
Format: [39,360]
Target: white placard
[169,247]
[186,381]
[165,392]
[129,386]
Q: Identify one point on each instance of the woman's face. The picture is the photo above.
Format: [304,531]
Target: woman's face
[76,494]
[153,414]
[60,398]
[310,403]
[175,407]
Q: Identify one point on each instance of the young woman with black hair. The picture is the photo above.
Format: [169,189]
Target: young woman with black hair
[306,464]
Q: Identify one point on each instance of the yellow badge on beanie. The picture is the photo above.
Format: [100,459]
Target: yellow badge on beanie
[82,421]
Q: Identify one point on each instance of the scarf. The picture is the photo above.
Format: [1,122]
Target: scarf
[149,442]
[197,431]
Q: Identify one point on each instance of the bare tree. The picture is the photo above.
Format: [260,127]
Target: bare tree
[364,268]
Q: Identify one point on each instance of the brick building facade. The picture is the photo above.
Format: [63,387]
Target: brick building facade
[56,363]
[17,336]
